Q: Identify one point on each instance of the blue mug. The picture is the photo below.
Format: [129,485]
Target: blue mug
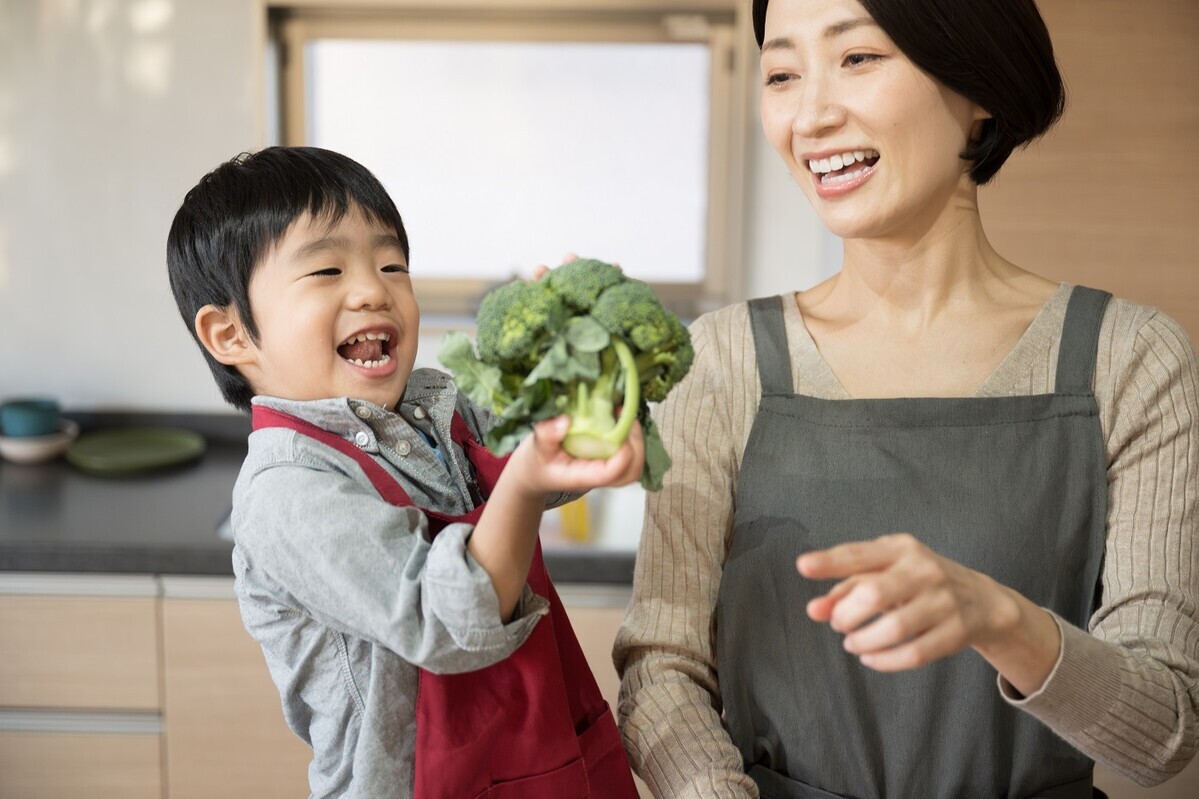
[28,417]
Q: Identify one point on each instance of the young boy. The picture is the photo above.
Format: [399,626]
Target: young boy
[385,561]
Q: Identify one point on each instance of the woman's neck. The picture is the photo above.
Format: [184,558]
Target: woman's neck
[924,271]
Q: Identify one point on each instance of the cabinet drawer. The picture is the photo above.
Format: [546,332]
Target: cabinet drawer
[36,765]
[75,652]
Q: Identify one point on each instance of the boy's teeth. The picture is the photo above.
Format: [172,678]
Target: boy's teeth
[372,364]
[367,337]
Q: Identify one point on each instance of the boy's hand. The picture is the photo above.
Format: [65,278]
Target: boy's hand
[543,467]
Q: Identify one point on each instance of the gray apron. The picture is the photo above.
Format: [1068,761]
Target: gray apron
[1014,487]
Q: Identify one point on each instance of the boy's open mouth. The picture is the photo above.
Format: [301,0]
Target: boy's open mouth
[839,168]
[369,350]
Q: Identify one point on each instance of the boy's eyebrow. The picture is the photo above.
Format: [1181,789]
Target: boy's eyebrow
[327,243]
[384,240]
[831,32]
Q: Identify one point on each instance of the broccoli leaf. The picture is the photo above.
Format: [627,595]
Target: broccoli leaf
[481,382]
[584,334]
[657,461]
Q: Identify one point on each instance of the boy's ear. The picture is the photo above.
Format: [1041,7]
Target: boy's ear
[222,334]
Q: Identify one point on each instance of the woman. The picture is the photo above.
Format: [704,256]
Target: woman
[931,525]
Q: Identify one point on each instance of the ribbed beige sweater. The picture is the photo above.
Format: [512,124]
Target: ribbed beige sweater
[1125,692]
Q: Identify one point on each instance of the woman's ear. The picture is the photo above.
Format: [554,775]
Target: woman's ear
[981,115]
[222,334]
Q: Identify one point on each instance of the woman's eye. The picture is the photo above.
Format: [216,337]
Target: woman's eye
[779,78]
[857,59]
[396,268]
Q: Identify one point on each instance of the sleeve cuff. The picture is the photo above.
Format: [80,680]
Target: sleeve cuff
[1081,689]
[460,594]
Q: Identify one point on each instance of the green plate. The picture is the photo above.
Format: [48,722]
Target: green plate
[133,450]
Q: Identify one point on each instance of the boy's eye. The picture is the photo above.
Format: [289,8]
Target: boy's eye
[330,272]
[396,268]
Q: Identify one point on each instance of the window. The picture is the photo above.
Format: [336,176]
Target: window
[509,138]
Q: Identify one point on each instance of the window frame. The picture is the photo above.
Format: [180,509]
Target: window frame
[719,23]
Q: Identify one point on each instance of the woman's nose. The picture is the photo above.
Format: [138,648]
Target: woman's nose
[818,111]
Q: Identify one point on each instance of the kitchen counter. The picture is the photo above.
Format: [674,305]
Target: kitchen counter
[55,518]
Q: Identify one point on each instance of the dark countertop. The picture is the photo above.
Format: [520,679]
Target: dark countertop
[55,518]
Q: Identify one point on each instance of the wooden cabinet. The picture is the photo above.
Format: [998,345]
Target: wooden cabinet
[225,731]
[150,688]
[73,652]
[55,765]
[80,693]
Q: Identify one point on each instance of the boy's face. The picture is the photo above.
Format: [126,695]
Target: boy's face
[335,312]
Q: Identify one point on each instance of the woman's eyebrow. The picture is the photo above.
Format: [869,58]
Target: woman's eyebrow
[838,28]
[831,32]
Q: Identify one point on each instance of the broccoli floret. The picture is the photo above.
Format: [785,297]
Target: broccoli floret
[515,317]
[586,341]
[661,342]
[582,280]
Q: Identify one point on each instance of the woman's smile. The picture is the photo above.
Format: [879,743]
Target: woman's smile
[840,173]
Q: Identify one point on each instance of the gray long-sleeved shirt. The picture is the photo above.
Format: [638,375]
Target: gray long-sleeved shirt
[347,594]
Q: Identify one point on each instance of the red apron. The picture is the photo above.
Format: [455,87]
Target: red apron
[533,726]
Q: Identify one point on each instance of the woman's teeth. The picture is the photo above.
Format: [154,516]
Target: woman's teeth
[834,163]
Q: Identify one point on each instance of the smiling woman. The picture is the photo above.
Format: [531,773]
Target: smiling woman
[933,451]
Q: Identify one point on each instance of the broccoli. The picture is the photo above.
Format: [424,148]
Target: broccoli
[586,341]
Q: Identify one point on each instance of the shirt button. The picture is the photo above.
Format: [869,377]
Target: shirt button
[418,412]
[403,448]
[363,412]
[362,439]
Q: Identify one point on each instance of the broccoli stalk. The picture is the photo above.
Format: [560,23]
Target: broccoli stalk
[594,432]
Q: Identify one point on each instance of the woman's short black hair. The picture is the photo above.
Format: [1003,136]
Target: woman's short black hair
[238,212]
[995,53]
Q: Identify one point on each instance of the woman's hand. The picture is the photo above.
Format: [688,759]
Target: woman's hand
[901,605]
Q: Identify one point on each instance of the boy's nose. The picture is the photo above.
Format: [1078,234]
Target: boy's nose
[367,292]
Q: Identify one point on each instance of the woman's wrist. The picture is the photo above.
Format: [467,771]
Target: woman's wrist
[1021,640]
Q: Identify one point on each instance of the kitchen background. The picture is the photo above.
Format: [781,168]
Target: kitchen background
[111,109]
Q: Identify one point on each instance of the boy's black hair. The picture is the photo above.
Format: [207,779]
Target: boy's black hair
[995,53]
[239,211]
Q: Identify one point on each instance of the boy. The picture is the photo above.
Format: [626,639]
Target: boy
[379,548]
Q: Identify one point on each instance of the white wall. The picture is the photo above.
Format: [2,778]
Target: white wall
[109,111]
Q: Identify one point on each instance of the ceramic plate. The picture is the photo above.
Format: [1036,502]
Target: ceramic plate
[133,450]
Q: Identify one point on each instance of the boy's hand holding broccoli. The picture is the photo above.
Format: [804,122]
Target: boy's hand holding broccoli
[583,341]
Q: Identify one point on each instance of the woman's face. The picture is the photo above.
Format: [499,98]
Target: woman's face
[873,141]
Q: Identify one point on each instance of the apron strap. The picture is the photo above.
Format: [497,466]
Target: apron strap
[1080,340]
[387,486]
[770,342]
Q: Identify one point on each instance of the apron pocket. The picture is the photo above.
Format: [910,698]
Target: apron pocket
[567,782]
[601,771]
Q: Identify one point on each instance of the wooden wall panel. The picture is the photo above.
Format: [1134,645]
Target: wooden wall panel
[1110,198]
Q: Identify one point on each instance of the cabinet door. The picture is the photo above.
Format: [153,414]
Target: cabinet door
[40,765]
[225,734]
[95,653]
